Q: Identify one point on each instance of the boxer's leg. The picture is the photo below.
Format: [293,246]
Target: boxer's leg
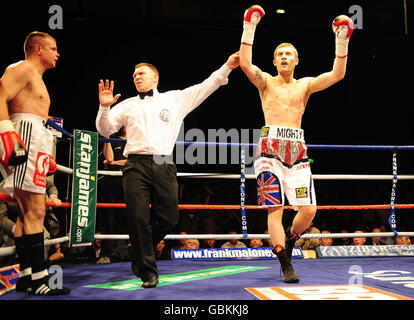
[25,271]
[301,194]
[270,194]
[274,225]
[303,219]
[32,209]
[277,234]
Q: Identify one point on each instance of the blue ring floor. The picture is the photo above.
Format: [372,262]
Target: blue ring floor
[393,275]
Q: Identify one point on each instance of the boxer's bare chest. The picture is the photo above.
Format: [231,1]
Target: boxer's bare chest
[285,103]
[33,98]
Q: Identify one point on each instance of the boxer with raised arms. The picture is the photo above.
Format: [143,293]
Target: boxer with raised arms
[24,109]
[282,166]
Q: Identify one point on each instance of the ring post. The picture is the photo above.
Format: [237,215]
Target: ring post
[392,218]
[84,188]
[242,191]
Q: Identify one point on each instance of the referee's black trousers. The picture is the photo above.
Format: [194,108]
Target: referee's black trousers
[146,182]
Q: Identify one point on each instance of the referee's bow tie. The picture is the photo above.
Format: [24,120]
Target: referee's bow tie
[142,95]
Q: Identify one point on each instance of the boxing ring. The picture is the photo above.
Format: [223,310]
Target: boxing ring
[352,277]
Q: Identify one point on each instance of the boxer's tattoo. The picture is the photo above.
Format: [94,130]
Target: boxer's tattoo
[258,75]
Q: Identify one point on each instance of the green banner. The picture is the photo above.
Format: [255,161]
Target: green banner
[85,169]
[135,284]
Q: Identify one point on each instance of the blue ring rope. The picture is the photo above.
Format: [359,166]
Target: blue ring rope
[226,144]
[59,128]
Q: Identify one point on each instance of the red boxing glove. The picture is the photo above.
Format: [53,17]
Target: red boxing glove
[254,14]
[343,27]
[12,148]
[252,17]
[52,165]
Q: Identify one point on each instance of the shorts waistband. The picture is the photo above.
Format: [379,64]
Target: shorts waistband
[283,133]
[29,117]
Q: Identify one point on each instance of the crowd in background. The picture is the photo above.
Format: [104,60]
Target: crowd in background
[215,191]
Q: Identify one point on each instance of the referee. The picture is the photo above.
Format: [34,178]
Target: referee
[153,121]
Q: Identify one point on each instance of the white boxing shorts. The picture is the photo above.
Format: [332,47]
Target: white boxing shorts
[31,175]
[282,168]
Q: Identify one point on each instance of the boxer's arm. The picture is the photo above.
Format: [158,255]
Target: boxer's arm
[342,27]
[15,79]
[253,73]
[328,79]
[252,17]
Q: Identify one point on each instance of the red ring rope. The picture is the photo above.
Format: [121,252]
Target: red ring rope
[7,198]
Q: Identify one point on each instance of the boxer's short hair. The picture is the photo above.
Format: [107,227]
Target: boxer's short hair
[286,44]
[32,39]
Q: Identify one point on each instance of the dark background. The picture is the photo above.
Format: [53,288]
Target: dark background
[188,40]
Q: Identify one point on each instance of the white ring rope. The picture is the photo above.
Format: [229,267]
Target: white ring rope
[263,236]
[7,251]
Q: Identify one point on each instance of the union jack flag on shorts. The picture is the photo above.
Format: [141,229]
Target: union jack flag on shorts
[268,190]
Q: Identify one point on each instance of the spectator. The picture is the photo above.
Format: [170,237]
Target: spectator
[192,244]
[326,242]
[402,240]
[98,252]
[181,242]
[160,252]
[255,243]
[359,241]
[89,254]
[386,228]
[377,241]
[308,244]
[209,244]
[344,241]
[114,151]
[233,243]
